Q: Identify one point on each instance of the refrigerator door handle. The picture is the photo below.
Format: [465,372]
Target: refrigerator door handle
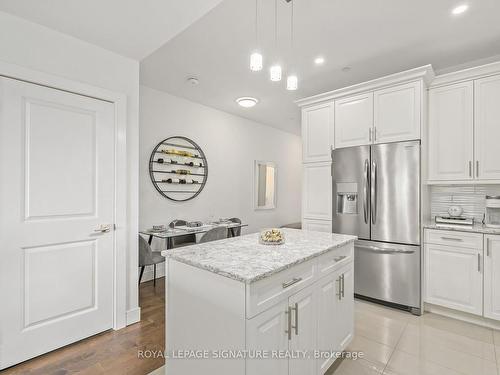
[374,192]
[365,190]
[382,250]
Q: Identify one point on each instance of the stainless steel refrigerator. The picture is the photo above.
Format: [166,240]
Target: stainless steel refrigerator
[376,196]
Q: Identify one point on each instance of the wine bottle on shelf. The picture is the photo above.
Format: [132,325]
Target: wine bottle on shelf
[160,160]
[172,181]
[194,182]
[192,164]
[182,181]
[182,171]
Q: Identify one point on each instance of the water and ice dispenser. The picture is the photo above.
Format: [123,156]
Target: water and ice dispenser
[347,198]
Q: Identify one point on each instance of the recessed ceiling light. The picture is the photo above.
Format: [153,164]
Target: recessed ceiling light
[247,101]
[346,69]
[459,9]
[319,60]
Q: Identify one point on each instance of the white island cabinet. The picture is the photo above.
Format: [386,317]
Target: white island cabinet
[238,307]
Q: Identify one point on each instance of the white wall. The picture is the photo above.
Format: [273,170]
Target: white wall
[231,145]
[40,48]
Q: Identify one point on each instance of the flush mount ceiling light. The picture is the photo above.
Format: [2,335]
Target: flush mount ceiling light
[459,9]
[247,101]
[319,60]
[193,81]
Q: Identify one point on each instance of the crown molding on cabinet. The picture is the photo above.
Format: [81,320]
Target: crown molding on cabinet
[476,72]
[425,73]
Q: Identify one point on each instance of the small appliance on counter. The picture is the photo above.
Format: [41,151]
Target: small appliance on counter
[492,211]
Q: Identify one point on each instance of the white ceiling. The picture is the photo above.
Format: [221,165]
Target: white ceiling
[374,38]
[133,28]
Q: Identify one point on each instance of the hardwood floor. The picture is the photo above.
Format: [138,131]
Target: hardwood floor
[111,352]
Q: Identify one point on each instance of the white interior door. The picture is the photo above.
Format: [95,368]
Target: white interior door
[57,187]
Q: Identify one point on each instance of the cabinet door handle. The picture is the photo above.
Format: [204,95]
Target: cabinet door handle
[452,239]
[289,323]
[478,262]
[477,168]
[296,326]
[370,134]
[470,168]
[343,285]
[374,133]
[339,294]
[287,284]
[488,247]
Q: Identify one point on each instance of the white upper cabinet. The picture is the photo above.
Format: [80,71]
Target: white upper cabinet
[487,128]
[451,132]
[492,277]
[317,133]
[317,191]
[354,120]
[397,113]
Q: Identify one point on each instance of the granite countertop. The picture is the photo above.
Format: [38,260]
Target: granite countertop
[476,228]
[244,259]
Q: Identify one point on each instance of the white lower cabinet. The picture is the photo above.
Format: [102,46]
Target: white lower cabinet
[462,271]
[265,332]
[492,277]
[320,318]
[335,299]
[454,277]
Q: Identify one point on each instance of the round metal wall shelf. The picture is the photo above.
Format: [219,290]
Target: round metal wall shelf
[178,168]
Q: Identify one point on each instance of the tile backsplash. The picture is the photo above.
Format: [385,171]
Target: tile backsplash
[469,197]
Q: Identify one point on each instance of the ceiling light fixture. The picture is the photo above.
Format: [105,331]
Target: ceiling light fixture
[291,80]
[275,70]
[256,57]
[459,9]
[247,101]
[193,81]
[319,60]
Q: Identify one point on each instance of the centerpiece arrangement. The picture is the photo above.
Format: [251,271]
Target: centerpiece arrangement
[272,237]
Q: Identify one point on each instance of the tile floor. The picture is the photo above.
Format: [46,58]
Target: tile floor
[398,343]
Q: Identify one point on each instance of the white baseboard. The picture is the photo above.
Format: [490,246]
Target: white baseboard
[133,316]
[459,315]
[148,272]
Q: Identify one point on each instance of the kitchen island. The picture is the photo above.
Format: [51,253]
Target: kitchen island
[239,307]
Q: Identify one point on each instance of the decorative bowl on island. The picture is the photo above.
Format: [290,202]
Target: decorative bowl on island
[271,237]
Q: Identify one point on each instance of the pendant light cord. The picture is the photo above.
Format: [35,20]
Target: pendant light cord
[276,23]
[256,20]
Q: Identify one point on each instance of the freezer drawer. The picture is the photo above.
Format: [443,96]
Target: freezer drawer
[387,272]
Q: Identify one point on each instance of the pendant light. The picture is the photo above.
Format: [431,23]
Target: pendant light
[275,70]
[291,80]
[256,56]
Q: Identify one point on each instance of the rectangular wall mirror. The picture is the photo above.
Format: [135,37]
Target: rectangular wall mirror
[265,185]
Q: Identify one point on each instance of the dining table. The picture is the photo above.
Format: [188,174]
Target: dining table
[169,234]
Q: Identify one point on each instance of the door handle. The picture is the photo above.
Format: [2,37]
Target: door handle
[103,228]
[477,168]
[296,326]
[365,190]
[488,247]
[289,323]
[373,189]
[470,168]
[384,251]
[478,262]
[370,134]
[452,239]
[343,285]
[339,288]
[287,284]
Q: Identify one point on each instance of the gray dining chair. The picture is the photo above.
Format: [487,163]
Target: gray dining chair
[184,240]
[236,231]
[214,234]
[147,257]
